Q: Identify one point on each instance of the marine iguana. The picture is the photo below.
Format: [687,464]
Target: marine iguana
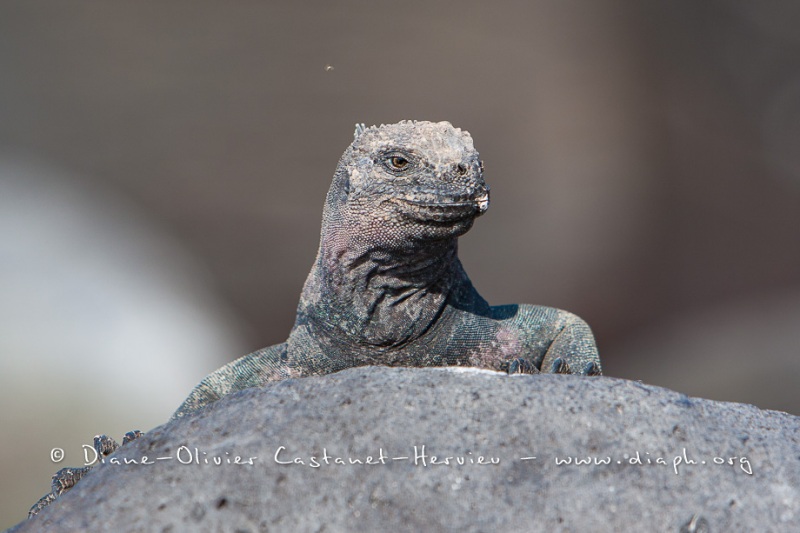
[387,287]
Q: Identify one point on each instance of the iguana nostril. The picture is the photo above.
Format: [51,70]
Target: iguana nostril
[461,168]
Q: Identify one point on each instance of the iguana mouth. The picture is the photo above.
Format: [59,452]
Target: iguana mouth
[446,210]
[442,212]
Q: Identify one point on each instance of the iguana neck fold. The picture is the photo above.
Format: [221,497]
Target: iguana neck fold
[375,295]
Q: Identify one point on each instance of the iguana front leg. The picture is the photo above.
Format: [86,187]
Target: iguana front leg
[252,370]
[573,351]
[570,346]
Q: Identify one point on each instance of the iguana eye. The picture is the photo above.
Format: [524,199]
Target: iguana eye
[399,163]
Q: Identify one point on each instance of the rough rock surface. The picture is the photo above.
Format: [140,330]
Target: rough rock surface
[452,413]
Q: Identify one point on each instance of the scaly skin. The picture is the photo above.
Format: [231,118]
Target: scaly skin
[387,287]
[66,478]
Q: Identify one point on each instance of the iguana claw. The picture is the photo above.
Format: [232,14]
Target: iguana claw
[521,366]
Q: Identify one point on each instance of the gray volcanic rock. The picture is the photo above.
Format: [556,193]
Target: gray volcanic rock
[452,451]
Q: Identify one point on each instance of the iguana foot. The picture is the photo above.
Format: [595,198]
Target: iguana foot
[520,366]
[104,445]
[592,369]
[557,366]
[131,435]
[560,366]
[63,480]
[66,478]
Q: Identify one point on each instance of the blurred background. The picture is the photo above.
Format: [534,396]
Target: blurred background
[163,168]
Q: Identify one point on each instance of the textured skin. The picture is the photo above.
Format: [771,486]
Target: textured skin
[66,478]
[387,287]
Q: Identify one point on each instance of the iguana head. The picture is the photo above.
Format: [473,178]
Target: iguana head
[408,182]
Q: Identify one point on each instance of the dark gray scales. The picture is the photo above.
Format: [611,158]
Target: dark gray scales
[387,287]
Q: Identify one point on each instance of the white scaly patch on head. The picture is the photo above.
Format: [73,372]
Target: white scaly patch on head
[360,127]
[439,143]
[358,177]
